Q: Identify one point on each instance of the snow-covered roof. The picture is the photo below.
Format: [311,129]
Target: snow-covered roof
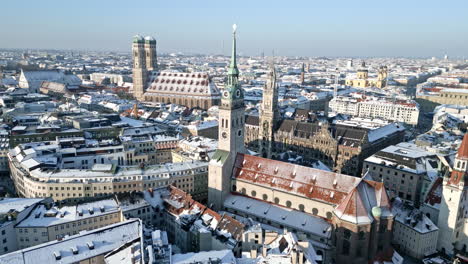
[43,217]
[87,244]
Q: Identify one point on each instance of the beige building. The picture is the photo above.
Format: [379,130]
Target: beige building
[46,222]
[362,79]
[39,176]
[429,98]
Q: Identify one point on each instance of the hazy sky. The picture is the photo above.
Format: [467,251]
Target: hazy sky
[293,28]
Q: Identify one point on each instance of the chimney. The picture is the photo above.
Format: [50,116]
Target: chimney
[253,252]
[293,256]
[301,257]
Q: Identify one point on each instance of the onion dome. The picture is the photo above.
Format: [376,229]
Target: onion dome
[137,39]
[150,40]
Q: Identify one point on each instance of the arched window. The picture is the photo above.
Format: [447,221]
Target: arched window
[265,197]
[234,188]
[301,207]
[329,215]
[243,191]
[288,204]
[276,200]
[253,193]
[314,211]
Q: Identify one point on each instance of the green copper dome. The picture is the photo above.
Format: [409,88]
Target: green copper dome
[150,40]
[137,39]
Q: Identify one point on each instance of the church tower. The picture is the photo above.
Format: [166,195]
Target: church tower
[150,53]
[453,235]
[302,74]
[269,115]
[140,72]
[230,136]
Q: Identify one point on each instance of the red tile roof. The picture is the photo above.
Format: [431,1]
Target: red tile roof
[313,183]
[353,197]
[463,150]
[434,196]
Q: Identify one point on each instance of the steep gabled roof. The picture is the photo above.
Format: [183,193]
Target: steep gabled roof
[354,209]
[463,150]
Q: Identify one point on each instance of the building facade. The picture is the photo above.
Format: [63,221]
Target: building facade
[406,170]
[396,110]
[64,172]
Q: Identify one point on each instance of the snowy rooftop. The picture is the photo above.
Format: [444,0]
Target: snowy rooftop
[83,246]
[284,216]
[42,216]
[17,204]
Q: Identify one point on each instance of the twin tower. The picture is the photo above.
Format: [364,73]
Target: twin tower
[144,62]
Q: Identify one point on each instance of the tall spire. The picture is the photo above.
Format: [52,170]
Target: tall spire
[233,66]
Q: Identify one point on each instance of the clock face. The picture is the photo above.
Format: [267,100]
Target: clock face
[224,135]
[226,94]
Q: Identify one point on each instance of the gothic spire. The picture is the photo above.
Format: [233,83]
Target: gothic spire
[233,71]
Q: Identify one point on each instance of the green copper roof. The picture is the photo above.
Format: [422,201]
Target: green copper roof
[233,66]
[220,156]
[233,88]
[138,39]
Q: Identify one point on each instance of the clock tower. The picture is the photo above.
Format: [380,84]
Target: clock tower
[231,124]
[269,115]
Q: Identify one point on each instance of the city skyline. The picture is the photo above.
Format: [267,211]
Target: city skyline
[318,29]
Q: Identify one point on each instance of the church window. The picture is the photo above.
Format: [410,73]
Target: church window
[276,200]
[288,204]
[329,215]
[265,197]
[239,133]
[347,234]
[253,193]
[243,191]
[234,188]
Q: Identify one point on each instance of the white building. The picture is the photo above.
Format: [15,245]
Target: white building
[414,233]
[32,80]
[13,211]
[373,107]
[453,215]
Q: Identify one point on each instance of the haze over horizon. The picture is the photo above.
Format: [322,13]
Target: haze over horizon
[299,28]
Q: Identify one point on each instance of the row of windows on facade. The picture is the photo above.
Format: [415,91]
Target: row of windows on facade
[74,224]
[288,204]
